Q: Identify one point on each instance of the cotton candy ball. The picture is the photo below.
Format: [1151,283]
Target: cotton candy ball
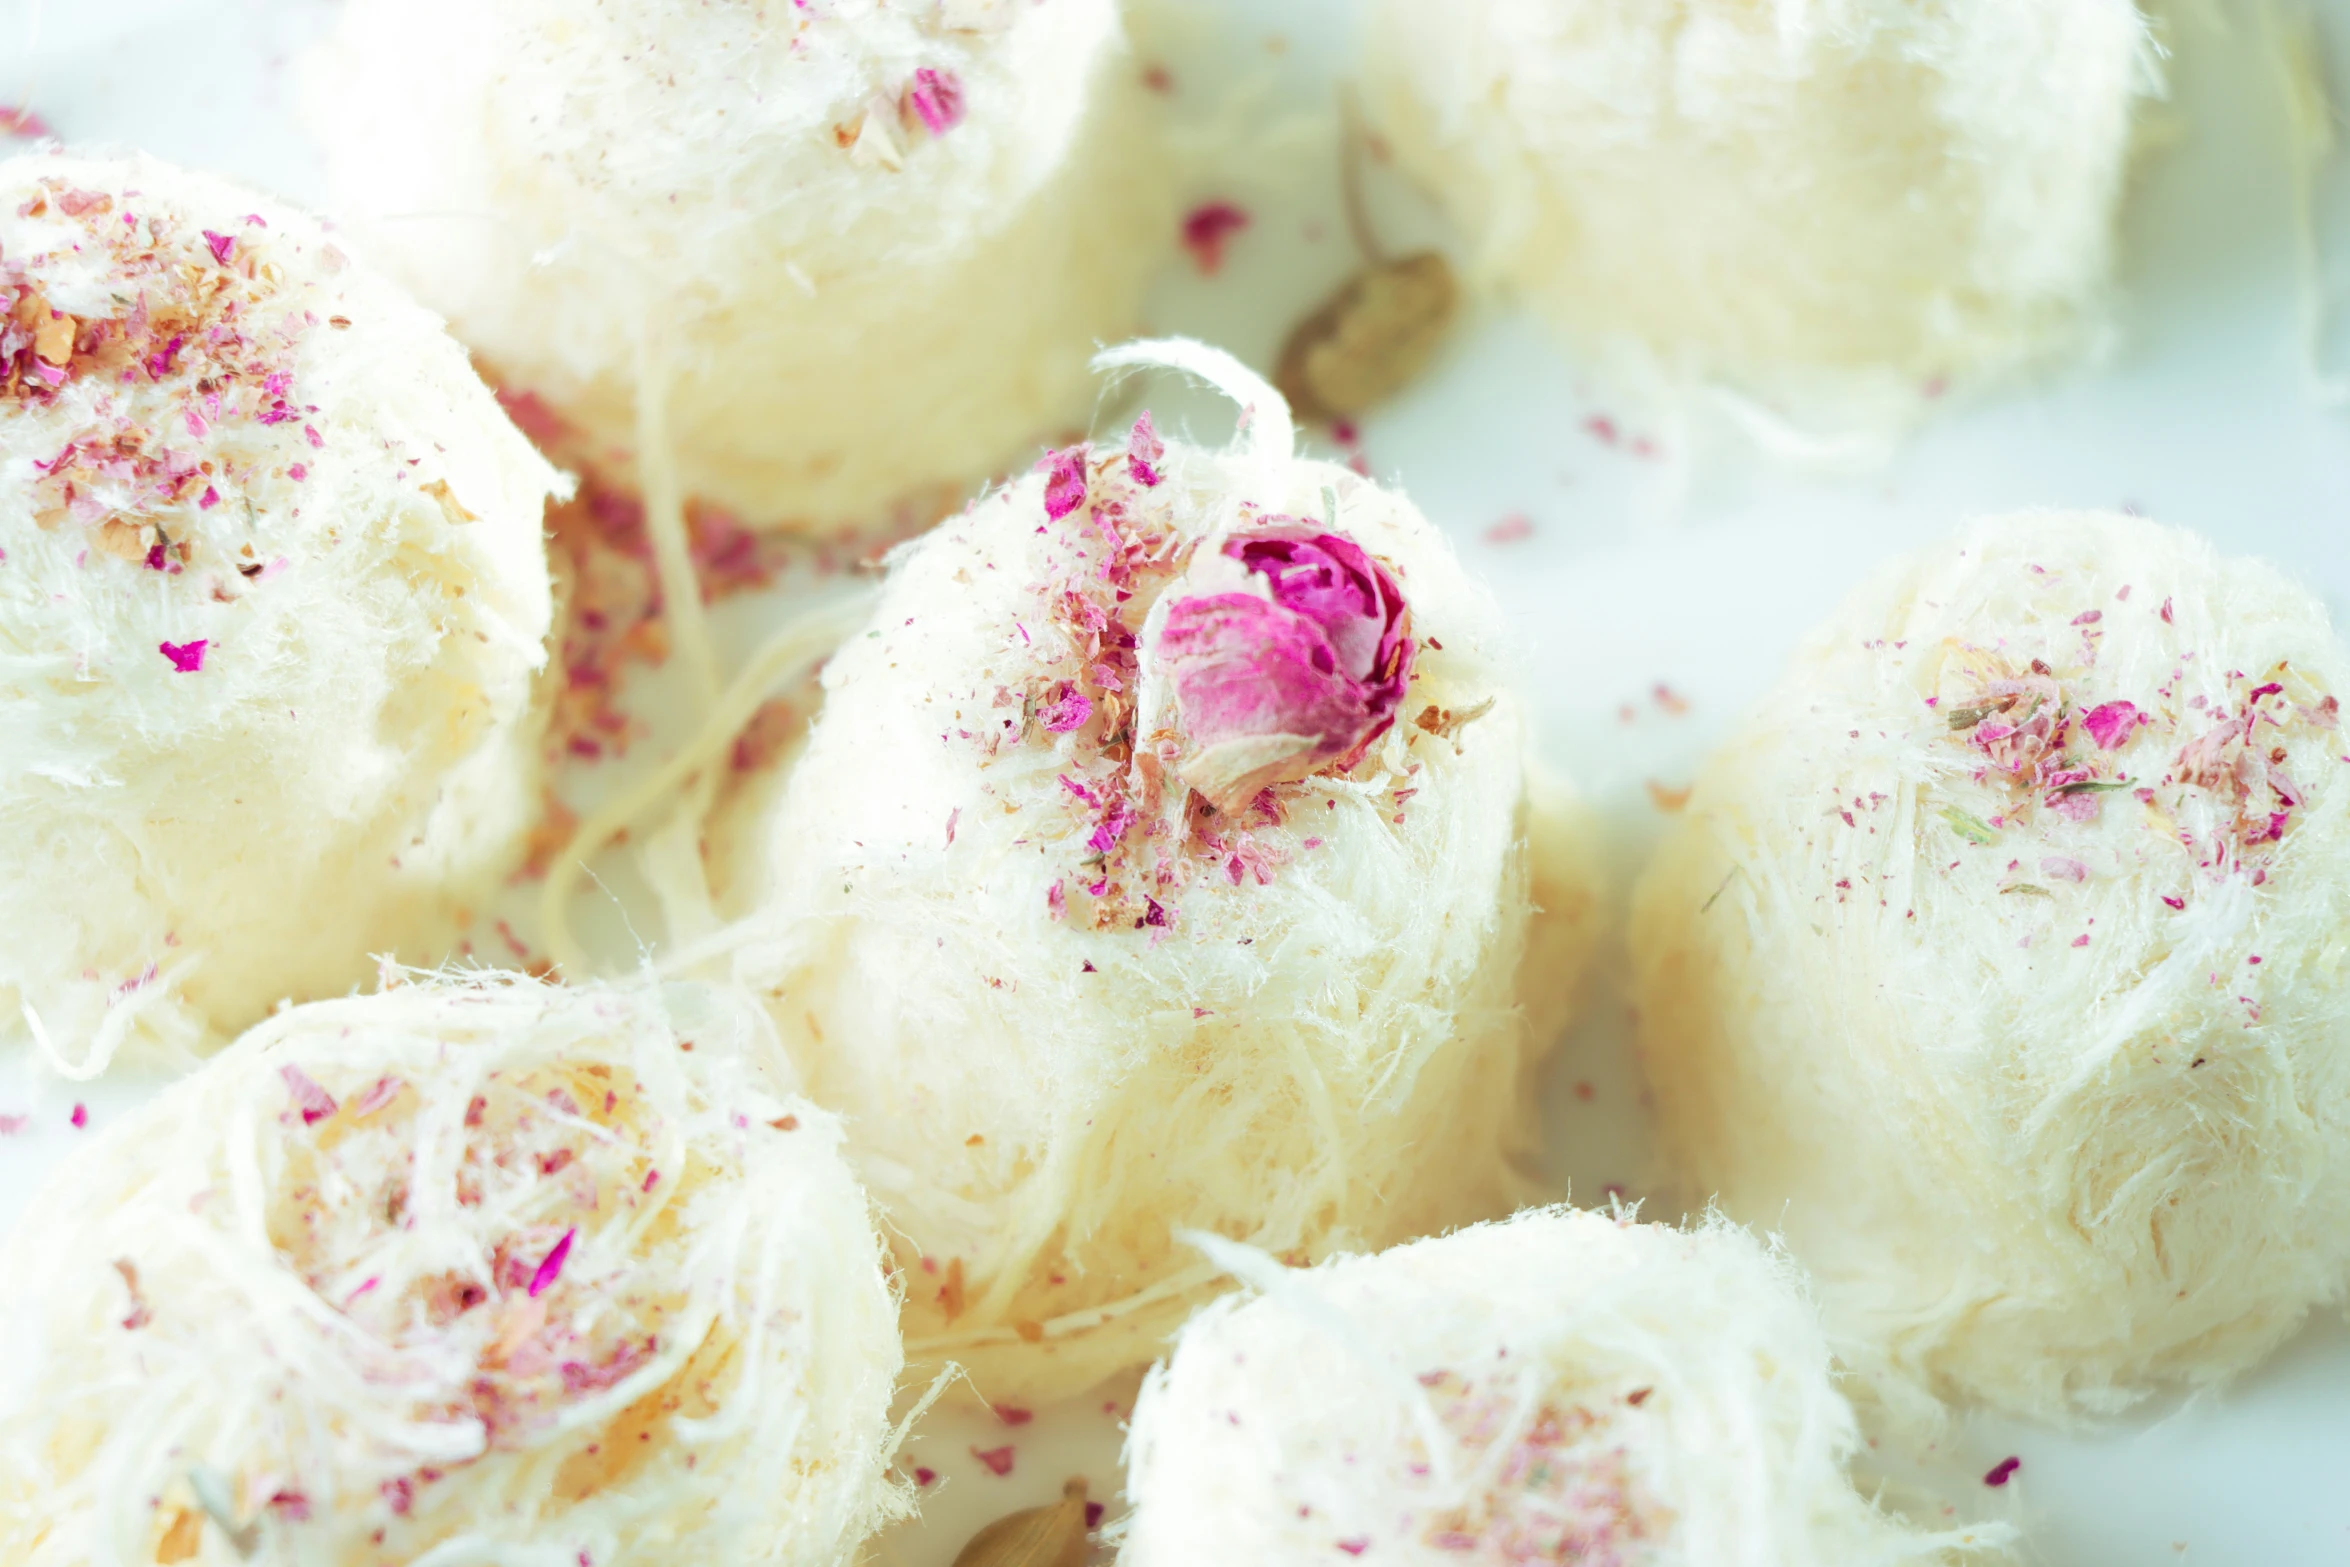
[1563,1387]
[1998,959]
[852,251]
[469,1270]
[272,597]
[1839,209]
[1065,999]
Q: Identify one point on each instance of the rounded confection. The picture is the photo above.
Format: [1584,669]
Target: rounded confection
[1165,854]
[856,251]
[467,1270]
[1563,1387]
[1997,961]
[273,594]
[1839,208]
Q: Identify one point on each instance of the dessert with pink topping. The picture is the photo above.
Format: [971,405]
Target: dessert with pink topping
[1165,854]
[465,1271]
[272,599]
[1835,213]
[1998,960]
[810,263]
[1567,1389]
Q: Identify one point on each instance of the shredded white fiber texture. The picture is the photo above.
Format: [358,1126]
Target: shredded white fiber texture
[1066,1005]
[468,1271]
[273,593]
[1564,1387]
[1999,961]
[851,250]
[1838,210]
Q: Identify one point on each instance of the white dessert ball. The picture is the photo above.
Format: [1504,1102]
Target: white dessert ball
[854,249]
[464,1271]
[273,594]
[1841,208]
[1563,1387]
[1165,854]
[1998,961]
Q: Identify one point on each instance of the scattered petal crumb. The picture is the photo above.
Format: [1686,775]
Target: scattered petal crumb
[2003,1471]
[1206,229]
[1666,799]
[997,1459]
[1512,528]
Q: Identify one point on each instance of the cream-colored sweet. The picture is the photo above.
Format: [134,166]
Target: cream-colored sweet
[855,248]
[468,1271]
[1566,1387]
[1065,1003]
[1841,208]
[1998,961]
[272,597]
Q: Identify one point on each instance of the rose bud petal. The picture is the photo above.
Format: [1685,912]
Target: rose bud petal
[1277,687]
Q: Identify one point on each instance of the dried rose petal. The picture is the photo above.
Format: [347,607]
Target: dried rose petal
[1143,451]
[315,1103]
[1069,711]
[2111,724]
[187,658]
[1273,689]
[1064,492]
[1205,229]
[937,96]
[551,1269]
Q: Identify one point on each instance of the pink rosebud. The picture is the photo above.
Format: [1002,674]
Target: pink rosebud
[186,657]
[1143,451]
[1268,690]
[315,1103]
[1064,491]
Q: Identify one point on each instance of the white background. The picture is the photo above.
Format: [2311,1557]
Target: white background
[1693,568]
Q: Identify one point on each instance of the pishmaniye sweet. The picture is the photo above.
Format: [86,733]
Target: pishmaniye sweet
[801,262]
[273,594]
[466,1270]
[1996,962]
[1165,854]
[1565,1387]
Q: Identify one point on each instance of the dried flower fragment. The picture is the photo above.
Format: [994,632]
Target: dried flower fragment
[1050,1536]
[1370,339]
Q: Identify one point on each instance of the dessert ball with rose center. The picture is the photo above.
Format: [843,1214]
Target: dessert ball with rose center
[1841,210]
[272,597]
[1565,1387]
[1165,854]
[1998,961]
[853,250]
[466,1270]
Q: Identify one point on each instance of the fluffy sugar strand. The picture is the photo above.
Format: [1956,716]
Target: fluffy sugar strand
[1067,1010]
[1997,959]
[1565,1386]
[273,600]
[471,1269]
